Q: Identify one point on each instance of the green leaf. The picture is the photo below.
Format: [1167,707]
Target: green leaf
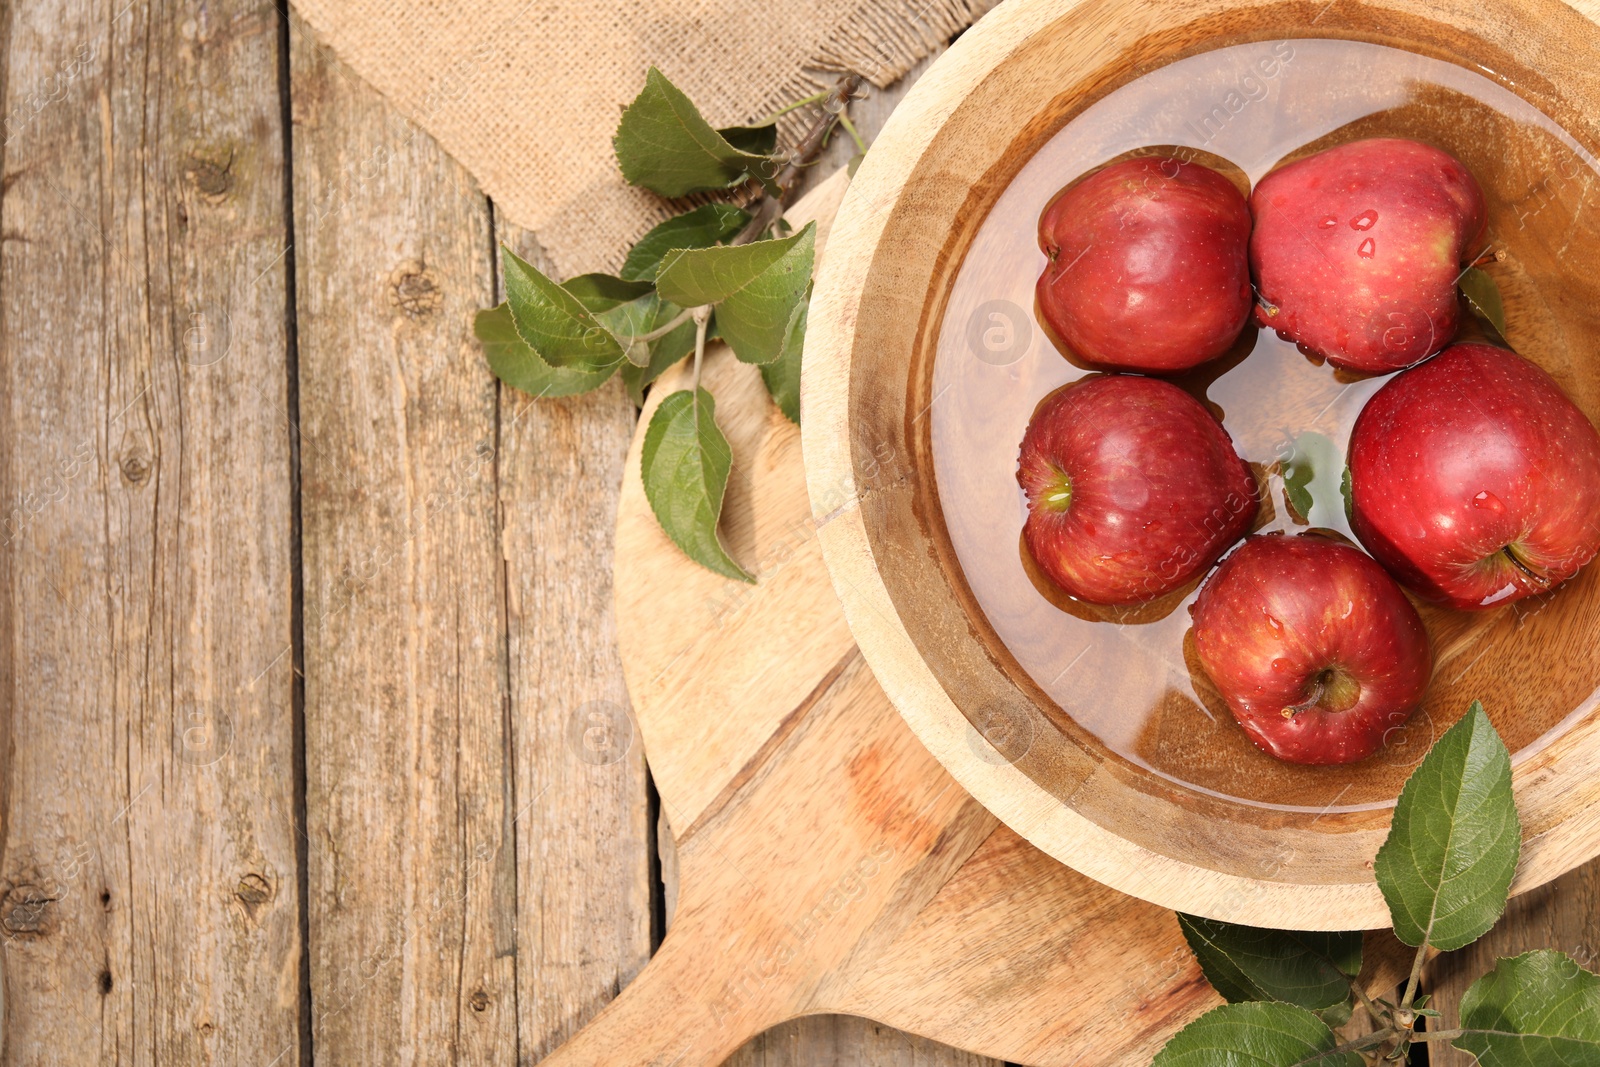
[1446,867]
[555,322]
[753,140]
[602,292]
[1484,296]
[1311,970]
[755,288]
[1337,1015]
[1535,1010]
[703,227]
[782,375]
[663,354]
[628,310]
[855,164]
[1308,477]
[664,145]
[1262,1034]
[685,466]
[637,317]
[1344,491]
[519,366]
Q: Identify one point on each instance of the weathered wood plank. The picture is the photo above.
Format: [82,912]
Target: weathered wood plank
[1563,915]
[148,893]
[582,822]
[410,868]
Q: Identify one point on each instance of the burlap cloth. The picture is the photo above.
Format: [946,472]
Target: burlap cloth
[526,93]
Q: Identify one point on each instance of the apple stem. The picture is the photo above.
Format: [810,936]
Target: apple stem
[1318,689]
[1523,567]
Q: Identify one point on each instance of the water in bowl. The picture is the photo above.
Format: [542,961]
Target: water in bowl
[1129,676]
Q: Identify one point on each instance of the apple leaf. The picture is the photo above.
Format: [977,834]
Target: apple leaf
[685,464]
[632,309]
[635,318]
[703,227]
[1297,487]
[1260,1034]
[1312,970]
[782,375]
[664,144]
[1308,477]
[602,292]
[1533,1010]
[1344,491]
[519,366]
[753,140]
[1336,1015]
[663,354]
[1446,867]
[755,288]
[554,321]
[1484,296]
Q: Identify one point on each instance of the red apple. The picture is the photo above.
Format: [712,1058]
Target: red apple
[1149,267]
[1133,488]
[1357,250]
[1316,650]
[1475,480]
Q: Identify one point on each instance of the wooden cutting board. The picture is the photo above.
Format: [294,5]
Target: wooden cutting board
[827,863]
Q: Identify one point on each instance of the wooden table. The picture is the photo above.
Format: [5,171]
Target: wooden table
[302,611]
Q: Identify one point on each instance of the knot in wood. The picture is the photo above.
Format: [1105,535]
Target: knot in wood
[211,179]
[414,289]
[135,468]
[28,910]
[253,891]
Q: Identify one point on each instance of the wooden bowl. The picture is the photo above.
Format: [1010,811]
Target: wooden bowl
[1175,808]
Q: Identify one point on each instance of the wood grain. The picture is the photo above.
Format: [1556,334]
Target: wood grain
[148,891]
[1002,89]
[412,948]
[583,828]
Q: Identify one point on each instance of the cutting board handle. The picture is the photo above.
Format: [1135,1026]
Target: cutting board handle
[681,1011]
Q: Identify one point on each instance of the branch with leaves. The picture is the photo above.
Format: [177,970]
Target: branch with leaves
[727,269]
[1445,871]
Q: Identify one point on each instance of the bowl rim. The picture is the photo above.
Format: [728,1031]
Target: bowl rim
[1006,790]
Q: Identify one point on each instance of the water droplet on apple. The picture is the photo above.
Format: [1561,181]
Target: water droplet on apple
[1488,501]
[1277,627]
[1365,220]
[1280,665]
[1349,606]
[1368,249]
[1329,222]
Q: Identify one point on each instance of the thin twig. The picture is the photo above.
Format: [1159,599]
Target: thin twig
[768,208]
[1443,1035]
[702,315]
[850,128]
[1375,1013]
[814,98]
[1416,976]
[660,331]
[1366,1041]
